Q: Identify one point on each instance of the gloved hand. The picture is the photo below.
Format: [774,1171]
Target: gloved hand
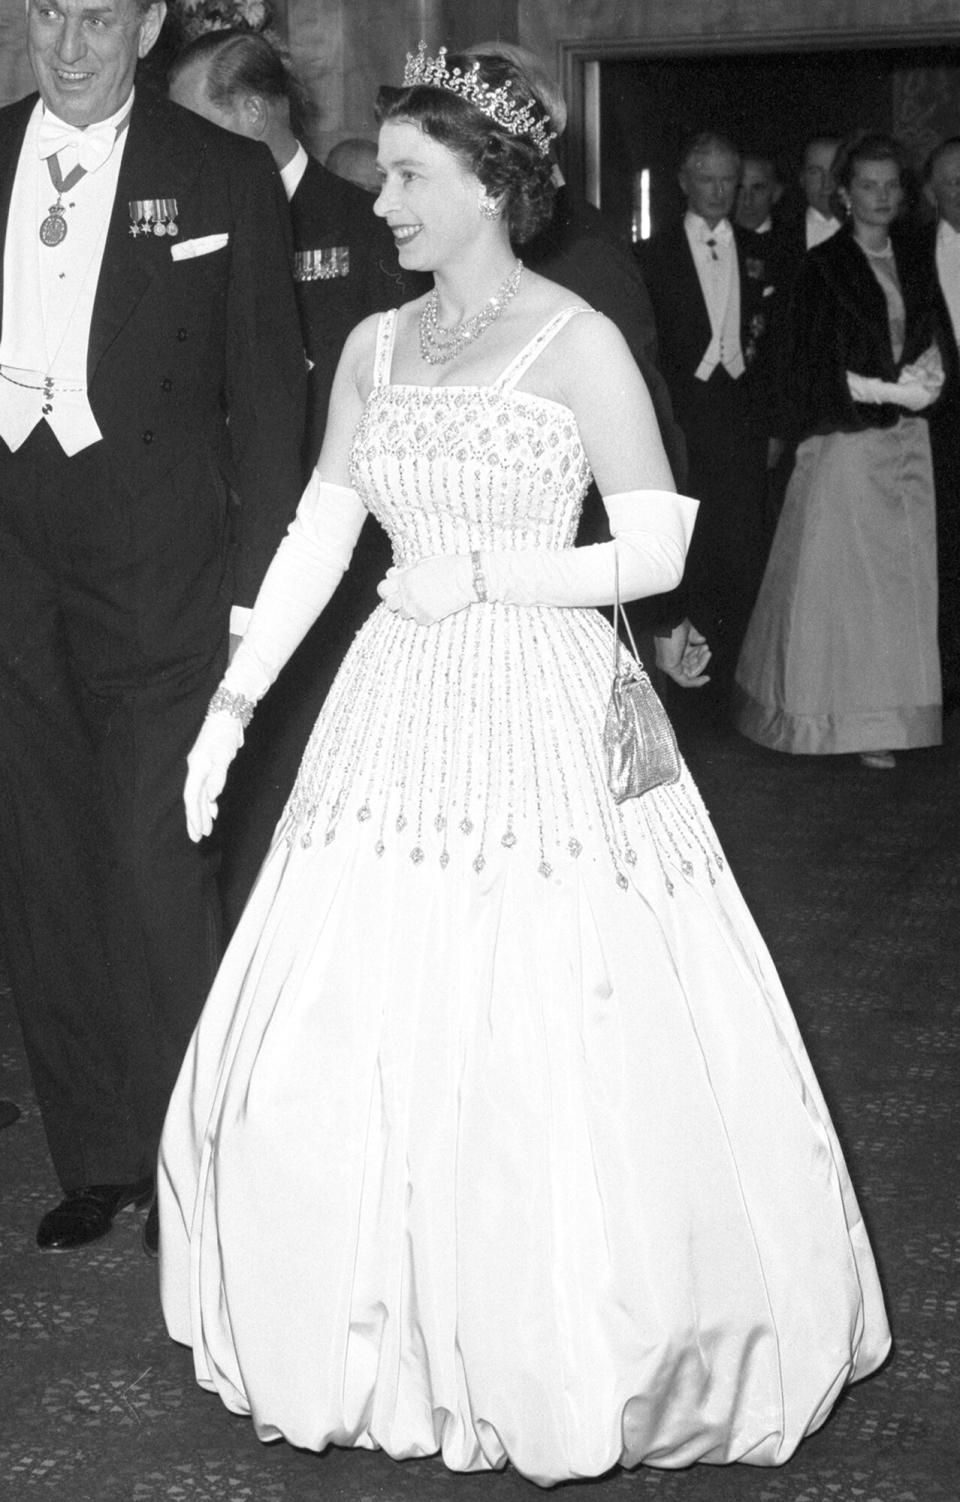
[651,531]
[917,386]
[430,589]
[913,393]
[220,738]
[925,373]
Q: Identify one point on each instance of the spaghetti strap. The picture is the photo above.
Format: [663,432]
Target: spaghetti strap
[522,362]
[383,356]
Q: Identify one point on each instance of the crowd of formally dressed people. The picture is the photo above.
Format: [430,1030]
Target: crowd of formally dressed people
[812,361]
[403,1134]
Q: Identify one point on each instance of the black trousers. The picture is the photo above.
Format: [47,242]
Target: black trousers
[728,476]
[113,623]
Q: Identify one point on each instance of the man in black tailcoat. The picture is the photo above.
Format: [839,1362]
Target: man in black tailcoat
[715,302]
[151,404]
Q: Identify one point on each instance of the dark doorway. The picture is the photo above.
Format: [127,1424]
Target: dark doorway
[769,102]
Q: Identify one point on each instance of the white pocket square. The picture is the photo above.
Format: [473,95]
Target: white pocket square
[184,250]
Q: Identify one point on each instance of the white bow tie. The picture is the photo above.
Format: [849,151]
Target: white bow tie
[92,146]
[721,234]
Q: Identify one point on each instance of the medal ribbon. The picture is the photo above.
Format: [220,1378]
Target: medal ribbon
[64,184]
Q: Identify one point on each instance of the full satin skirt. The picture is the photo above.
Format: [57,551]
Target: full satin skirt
[511,1163]
[841,652]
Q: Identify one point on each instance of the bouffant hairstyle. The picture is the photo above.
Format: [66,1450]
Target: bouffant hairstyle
[510,167]
[865,146]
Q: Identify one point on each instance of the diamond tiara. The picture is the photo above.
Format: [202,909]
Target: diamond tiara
[498,104]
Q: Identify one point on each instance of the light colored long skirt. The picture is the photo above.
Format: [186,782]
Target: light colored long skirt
[841,652]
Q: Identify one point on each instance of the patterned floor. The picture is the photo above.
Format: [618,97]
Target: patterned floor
[854,878]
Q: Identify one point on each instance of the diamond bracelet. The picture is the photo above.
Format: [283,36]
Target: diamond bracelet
[234,704]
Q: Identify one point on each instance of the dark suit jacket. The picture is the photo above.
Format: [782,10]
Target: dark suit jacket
[195,367]
[575,250]
[326,211]
[783,251]
[837,321]
[683,322]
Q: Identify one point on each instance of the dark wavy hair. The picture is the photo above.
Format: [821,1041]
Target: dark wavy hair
[865,146]
[510,167]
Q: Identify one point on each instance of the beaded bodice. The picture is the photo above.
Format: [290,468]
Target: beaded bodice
[449,468]
[477,740]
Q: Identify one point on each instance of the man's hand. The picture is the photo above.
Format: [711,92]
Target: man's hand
[684,655]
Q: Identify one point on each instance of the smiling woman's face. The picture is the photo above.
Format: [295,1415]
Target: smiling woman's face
[429,199]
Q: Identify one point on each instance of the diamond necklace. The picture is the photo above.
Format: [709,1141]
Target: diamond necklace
[439,345]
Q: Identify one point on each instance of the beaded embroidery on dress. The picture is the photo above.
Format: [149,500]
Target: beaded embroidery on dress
[496,1137]
[456,756]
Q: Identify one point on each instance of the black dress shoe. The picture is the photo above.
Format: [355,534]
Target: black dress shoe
[87,1214]
[9,1113]
[150,1235]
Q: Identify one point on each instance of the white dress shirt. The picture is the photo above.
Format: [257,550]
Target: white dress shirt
[715,257]
[49,291]
[948,271]
[292,174]
[819,227]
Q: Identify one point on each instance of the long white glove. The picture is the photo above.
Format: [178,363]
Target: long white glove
[651,531]
[305,571]
[917,386]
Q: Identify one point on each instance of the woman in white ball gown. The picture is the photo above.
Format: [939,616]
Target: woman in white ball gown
[496,1137]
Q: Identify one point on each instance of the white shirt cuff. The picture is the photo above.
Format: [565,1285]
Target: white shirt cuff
[240,619]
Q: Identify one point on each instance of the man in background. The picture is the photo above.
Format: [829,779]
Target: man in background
[819,220]
[715,299]
[759,192]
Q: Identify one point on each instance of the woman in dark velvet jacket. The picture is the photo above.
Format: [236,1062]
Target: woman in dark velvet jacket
[841,652]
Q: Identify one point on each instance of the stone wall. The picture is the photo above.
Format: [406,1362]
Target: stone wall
[546,24]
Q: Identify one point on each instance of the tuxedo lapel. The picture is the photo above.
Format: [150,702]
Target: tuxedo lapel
[13,125]
[157,162]
[695,313]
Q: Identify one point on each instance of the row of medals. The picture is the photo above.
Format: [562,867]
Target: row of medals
[157,216]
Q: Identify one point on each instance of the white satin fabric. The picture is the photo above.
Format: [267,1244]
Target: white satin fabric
[841,652]
[497,1138]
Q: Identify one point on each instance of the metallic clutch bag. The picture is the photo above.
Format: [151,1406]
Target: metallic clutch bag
[638,740]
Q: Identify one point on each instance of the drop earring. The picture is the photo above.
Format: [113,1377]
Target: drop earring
[489,207]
